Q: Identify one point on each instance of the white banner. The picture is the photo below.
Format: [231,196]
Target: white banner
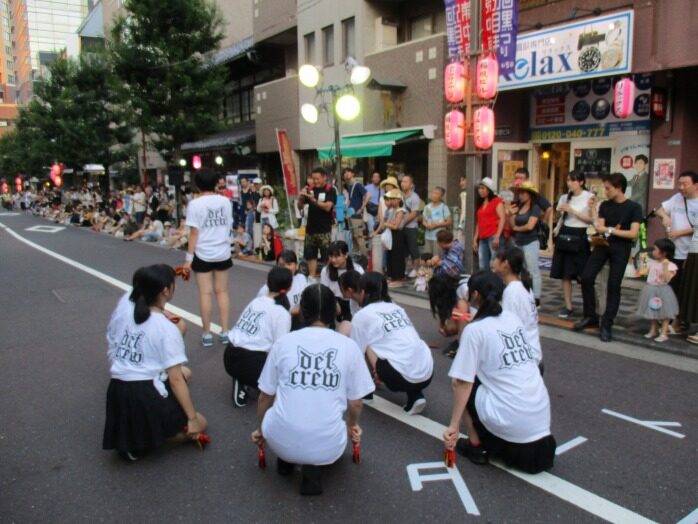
[586,49]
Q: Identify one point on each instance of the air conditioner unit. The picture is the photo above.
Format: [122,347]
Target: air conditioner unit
[386,32]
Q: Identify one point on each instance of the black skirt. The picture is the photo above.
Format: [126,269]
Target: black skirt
[244,365]
[138,418]
[571,265]
[688,297]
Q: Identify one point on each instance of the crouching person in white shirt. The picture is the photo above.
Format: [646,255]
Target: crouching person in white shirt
[148,400]
[264,321]
[311,377]
[496,379]
[394,351]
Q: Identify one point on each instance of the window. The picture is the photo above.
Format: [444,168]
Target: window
[421,27]
[309,46]
[328,46]
[348,39]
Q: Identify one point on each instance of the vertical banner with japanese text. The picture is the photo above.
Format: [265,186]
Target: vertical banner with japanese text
[457,27]
[287,164]
[508,23]
[489,25]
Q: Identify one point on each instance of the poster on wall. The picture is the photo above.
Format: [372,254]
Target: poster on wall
[591,48]
[632,160]
[664,173]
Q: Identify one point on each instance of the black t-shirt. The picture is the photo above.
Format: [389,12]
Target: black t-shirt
[620,216]
[523,238]
[320,221]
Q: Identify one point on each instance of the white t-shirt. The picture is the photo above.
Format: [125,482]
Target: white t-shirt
[138,202]
[142,351]
[388,331]
[523,304]
[261,324]
[212,216]
[300,282]
[579,203]
[334,286]
[313,372]
[676,209]
[512,401]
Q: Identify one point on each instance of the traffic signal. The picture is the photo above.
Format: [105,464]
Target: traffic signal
[56,174]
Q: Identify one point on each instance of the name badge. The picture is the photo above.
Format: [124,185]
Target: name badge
[321,197]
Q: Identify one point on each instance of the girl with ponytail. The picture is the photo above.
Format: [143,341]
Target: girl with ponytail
[148,399]
[510,266]
[289,260]
[263,322]
[310,379]
[498,391]
[395,353]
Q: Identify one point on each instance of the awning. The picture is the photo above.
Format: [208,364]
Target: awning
[377,143]
[222,140]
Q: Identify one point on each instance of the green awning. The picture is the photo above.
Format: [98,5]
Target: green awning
[368,144]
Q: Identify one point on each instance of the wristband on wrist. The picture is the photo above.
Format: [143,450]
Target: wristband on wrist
[189,257]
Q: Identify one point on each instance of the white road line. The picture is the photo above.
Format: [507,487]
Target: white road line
[691,518]
[549,483]
[657,426]
[570,444]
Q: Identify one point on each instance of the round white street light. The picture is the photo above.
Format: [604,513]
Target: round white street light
[359,74]
[182,162]
[309,113]
[219,160]
[348,107]
[309,75]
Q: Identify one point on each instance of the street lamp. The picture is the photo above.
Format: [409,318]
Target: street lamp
[345,106]
[219,160]
[183,162]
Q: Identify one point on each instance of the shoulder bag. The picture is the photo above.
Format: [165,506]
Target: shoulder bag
[565,243]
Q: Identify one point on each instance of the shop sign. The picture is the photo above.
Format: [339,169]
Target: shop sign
[591,48]
[563,133]
[457,27]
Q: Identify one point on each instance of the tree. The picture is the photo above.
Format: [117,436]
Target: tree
[162,53]
[77,116]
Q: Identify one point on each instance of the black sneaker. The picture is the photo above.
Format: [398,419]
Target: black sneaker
[451,349]
[239,394]
[476,455]
[565,313]
[415,405]
[311,484]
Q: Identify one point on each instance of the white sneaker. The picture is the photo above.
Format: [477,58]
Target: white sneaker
[417,407]
[412,274]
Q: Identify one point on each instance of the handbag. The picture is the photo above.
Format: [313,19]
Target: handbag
[565,243]
[598,240]
[387,239]
[372,208]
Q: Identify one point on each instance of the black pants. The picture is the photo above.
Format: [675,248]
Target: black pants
[244,365]
[617,254]
[676,281]
[396,256]
[395,382]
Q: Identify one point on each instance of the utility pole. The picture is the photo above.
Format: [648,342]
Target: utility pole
[473,162]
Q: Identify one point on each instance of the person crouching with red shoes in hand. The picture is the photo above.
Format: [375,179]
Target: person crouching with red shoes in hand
[311,377]
[498,391]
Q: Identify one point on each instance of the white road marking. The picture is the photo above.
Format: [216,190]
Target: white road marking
[691,518]
[570,444]
[651,424]
[9,214]
[417,479]
[45,229]
[549,483]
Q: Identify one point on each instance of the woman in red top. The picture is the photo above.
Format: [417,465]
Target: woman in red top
[490,222]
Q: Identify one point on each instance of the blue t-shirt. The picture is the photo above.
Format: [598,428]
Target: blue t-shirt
[357,193]
[432,214]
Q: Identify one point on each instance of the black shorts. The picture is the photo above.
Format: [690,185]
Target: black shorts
[531,457]
[244,365]
[410,235]
[201,266]
[394,381]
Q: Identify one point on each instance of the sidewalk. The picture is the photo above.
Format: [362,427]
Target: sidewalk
[628,327]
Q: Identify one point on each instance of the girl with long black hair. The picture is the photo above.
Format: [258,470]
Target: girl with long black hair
[497,389]
[394,350]
[339,262]
[289,260]
[148,400]
[510,266]
[262,322]
[310,379]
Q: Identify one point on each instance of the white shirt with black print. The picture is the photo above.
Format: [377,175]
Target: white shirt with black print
[261,324]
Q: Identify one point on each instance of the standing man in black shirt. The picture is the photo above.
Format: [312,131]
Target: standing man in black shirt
[619,221]
[321,199]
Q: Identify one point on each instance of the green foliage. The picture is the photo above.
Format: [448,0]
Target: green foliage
[162,53]
[77,117]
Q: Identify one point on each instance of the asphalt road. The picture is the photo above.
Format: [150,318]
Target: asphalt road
[54,373]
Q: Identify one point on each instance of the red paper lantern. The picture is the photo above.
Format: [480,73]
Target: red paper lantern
[454,82]
[196,162]
[658,102]
[483,128]
[58,181]
[454,129]
[486,76]
[5,189]
[18,183]
[623,97]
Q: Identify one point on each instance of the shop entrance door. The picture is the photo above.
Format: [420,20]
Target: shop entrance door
[551,177]
[507,158]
